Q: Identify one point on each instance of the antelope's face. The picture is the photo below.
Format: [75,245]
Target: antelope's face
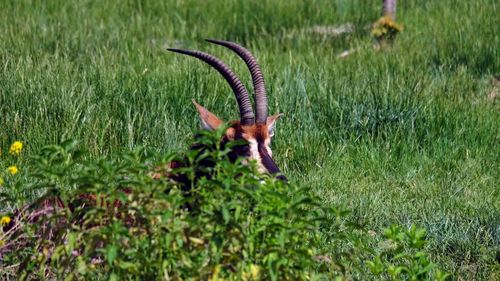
[257,130]
[256,137]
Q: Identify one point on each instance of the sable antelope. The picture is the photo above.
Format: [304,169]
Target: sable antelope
[256,130]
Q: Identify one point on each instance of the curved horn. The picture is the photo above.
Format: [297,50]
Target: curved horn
[259,86]
[246,113]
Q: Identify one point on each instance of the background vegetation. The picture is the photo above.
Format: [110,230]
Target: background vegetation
[407,136]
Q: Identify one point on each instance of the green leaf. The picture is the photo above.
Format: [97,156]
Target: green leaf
[127,265]
[225,215]
[111,253]
[113,277]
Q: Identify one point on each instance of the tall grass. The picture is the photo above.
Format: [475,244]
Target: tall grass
[409,135]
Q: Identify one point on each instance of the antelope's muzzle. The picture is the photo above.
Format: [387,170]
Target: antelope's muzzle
[269,164]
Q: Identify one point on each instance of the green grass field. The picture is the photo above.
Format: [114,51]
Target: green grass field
[408,135]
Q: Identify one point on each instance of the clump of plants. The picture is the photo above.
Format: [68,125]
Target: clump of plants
[13,153]
[385,29]
[110,219]
[7,173]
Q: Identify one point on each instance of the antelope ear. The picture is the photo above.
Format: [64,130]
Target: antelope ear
[208,120]
[271,121]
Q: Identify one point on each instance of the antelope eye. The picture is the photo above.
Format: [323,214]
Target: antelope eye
[244,149]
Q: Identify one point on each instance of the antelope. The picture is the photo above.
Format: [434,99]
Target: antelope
[256,130]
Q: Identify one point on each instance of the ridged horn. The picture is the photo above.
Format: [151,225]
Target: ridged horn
[246,113]
[259,86]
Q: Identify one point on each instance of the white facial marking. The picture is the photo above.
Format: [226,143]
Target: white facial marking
[254,153]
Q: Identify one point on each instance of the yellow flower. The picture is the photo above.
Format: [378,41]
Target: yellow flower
[215,274]
[12,170]
[255,270]
[386,28]
[252,274]
[5,220]
[15,148]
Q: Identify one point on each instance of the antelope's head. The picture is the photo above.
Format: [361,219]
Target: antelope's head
[255,129]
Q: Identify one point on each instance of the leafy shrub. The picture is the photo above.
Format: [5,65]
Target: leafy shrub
[402,256]
[112,219]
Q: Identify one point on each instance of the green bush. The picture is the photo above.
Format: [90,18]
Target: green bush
[116,222]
